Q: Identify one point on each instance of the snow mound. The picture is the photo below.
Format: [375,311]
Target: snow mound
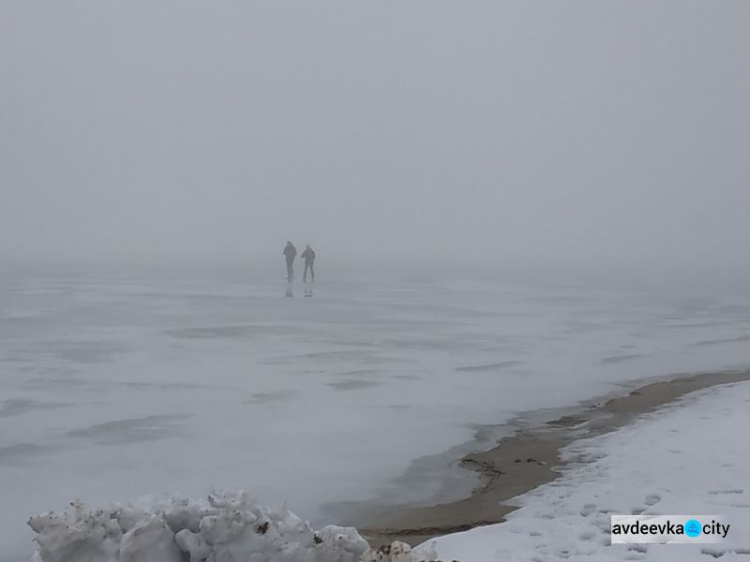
[227,527]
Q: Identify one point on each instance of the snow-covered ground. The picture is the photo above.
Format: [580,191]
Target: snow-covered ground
[691,458]
[115,386]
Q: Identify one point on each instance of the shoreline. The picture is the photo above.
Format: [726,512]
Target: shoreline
[526,459]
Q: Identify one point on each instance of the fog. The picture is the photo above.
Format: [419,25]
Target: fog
[586,132]
[519,210]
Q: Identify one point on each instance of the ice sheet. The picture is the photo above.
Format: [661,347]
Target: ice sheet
[116,386]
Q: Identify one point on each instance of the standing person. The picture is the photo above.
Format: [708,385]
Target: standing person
[290,252]
[309,255]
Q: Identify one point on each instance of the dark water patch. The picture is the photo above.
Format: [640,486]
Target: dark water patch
[15,359]
[167,386]
[338,354]
[488,367]
[707,343]
[272,397]
[406,377]
[698,325]
[620,358]
[386,360]
[348,355]
[352,343]
[228,332]
[359,372]
[22,452]
[280,361]
[582,326]
[82,352]
[88,352]
[57,382]
[354,384]
[427,345]
[18,406]
[135,430]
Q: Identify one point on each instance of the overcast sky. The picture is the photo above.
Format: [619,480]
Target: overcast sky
[587,130]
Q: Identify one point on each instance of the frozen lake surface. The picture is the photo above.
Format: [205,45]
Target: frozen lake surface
[120,385]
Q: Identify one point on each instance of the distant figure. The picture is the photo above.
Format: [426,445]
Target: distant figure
[290,252]
[309,255]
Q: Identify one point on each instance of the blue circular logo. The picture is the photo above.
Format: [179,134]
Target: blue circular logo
[693,528]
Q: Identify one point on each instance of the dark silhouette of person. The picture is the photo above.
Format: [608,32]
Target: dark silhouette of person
[290,252]
[309,256]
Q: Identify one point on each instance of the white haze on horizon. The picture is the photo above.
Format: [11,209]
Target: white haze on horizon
[444,133]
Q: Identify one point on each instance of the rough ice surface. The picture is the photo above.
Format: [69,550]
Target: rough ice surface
[119,384]
[227,527]
[689,458]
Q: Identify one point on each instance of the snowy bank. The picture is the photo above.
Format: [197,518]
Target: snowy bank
[227,527]
[691,457]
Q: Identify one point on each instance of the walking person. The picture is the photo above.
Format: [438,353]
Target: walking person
[290,252]
[309,257]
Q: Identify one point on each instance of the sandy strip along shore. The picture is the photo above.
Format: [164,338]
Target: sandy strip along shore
[527,459]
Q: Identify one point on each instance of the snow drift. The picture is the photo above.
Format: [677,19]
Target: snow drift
[227,527]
